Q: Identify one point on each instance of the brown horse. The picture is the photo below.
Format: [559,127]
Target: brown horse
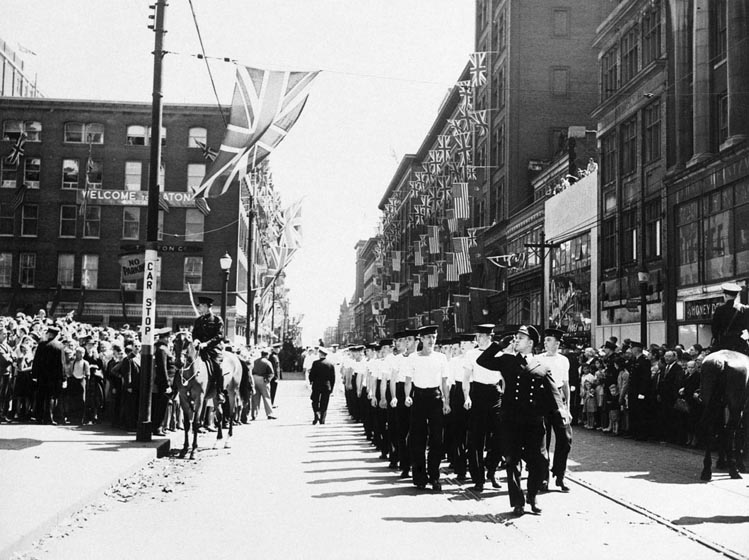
[192,383]
[724,390]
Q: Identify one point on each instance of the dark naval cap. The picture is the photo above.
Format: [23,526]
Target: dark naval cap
[427,329]
[556,333]
[531,332]
[205,300]
[486,328]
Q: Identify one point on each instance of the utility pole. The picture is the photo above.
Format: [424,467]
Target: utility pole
[540,250]
[250,290]
[143,432]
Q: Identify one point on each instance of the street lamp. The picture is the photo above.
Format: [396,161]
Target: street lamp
[225,264]
[643,277]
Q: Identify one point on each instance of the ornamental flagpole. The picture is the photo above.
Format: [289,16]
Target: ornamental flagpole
[144,430]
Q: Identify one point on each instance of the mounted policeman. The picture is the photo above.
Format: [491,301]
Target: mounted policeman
[731,321]
[208,336]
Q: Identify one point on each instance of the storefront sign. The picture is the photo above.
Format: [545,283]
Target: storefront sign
[701,309]
[104,197]
[164,248]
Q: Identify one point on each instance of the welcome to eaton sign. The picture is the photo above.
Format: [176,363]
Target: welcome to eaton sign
[133,198]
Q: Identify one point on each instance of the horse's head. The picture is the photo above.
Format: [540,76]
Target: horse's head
[184,350]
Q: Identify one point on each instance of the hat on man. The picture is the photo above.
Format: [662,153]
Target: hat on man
[205,300]
[634,343]
[531,332]
[373,346]
[386,342]
[609,345]
[556,333]
[466,337]
[322,350]
[399,334]
[357,348]
[54,331]
[165,331]
[277,345]
[427,329]
[731,288]
[486,328]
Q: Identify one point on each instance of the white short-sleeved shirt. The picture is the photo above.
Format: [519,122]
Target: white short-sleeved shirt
[480,374]
[559,366]
[360,367]
[456,366]
[389,363]
[374,365]
[427,372]
[399,368]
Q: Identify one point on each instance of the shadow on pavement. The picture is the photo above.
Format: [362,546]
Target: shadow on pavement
[728,519]
[18,444]
[477,518]
[370,460]
[395,491]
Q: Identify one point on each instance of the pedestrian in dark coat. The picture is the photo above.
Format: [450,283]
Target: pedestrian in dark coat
[322,379]
[163,374]
[640,393]
[47,368]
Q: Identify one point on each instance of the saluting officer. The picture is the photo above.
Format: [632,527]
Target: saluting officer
[208,336]
[729,321]
[530,394]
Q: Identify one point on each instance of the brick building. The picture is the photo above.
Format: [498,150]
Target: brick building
[57,251]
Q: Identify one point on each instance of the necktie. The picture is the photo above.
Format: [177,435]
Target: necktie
[522,359]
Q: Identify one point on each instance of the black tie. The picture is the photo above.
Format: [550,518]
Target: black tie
[522,359]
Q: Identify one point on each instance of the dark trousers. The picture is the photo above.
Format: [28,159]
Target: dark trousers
[273,389]
[214,370]
[524,438]
[158,409]
[457,451]
[320,399]
[426,429]
[483,431]
[562,444]
[398,420]
[365,409]
[639,417]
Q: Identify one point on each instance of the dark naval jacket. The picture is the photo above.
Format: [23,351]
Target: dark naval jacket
[209,329]
[322,375]
[727,325]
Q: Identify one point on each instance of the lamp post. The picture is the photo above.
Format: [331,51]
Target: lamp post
[643,277]
[225,264]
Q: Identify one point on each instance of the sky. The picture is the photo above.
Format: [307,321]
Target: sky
[386,67]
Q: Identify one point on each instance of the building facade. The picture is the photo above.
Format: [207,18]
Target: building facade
[64,239]
[14,79]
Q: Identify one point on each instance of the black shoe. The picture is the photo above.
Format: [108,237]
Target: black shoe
[544,487]
[436,486]
[272,418]
[393,465]
[404,474]
[492,478]
[517,511]
[535,508]
[478,487]
[460,479]
[421,485]
[561,485]
[314,421]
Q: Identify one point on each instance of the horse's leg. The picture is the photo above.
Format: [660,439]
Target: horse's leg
[195,421]
[732,444]
[707,427]
[186,421]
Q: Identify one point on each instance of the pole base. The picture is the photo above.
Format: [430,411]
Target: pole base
[143,433]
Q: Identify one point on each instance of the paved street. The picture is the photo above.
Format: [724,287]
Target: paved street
[287,489]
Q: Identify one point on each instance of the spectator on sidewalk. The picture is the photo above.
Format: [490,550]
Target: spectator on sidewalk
[262,373]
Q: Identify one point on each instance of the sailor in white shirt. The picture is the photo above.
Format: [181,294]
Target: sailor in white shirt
[427,375]
[456,433]
[559,367]
[482,389]
[399,418]
[382,374]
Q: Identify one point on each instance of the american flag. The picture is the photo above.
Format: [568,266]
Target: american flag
[463,262]
[17,151]
[451,274]
[265,106]
[433,233]
[432,276]
[478,68]
[452,221]
[19,196]
[417,286]
[460,244]
[396,261]
[418,255]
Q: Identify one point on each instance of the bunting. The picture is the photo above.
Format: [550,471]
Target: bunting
[511,261]
[477,68]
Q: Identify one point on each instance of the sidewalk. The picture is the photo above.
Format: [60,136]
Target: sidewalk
[48,472]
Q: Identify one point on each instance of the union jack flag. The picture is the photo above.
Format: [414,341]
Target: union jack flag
[480,120]
[292,231]
[208,153]
[17,151]
[478,68]
[265,106]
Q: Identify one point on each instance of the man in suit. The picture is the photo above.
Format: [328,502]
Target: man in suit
[273,357]
[322,380]
[667,388]
[208,336]
[47,368]
[640,393]
[530,394]
[729,321]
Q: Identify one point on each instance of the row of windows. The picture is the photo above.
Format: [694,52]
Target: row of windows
[636,49]
[624,250]
[192,272]
[70,217]
[713,234]
[73,176]
[619,148]
[93,133]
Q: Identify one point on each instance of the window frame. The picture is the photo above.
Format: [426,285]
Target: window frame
[127,222]
[193,272]
[67,219]
[70,185]
[26,270]
[34,220]
[86,260]
[89,219]
[6,269]
[70,271]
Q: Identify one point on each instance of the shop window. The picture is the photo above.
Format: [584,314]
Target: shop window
[70,173]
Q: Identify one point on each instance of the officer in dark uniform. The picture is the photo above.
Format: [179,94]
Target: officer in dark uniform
[530,394]
[640,393]
[729,321]
[163,375]
[322,379]
[208,335]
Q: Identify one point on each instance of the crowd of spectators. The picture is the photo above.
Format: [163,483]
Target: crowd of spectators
[627,390]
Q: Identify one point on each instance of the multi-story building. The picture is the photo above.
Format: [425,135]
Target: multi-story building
[14,80]
[86,169]
[706,187]
[542,80]
[631,115]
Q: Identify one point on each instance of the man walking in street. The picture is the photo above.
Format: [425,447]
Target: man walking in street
[322,380]
[47,368]
[262,373]
[559,368]
[427,375]
[208,337]
[530,394]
